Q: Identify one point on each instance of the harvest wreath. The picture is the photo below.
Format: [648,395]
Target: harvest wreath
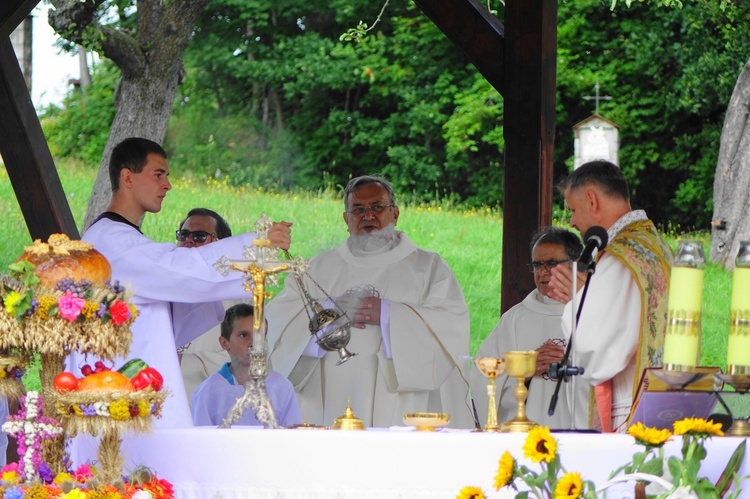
[57,299]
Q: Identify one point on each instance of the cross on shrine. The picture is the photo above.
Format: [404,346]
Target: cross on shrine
[261,264]
[596,97]
[29,428]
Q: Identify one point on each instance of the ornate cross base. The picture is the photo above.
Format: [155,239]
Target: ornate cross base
[256,397]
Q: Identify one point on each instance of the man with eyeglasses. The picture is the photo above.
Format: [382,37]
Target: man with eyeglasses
[410,323]
[624,317]
[204,355]
[534,324]
[177,291]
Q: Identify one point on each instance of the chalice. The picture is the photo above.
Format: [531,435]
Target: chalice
[520,365]
[491,368]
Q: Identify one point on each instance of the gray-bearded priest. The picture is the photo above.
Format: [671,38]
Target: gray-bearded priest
[410,323]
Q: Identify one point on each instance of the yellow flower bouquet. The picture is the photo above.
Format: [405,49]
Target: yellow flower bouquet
[553,481]
[540,447]
[648,466]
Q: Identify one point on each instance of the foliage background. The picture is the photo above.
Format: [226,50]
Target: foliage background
[271,97]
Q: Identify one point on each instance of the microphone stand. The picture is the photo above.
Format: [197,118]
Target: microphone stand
[562,371]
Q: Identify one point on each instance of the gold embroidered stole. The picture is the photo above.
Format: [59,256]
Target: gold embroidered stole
[647,256]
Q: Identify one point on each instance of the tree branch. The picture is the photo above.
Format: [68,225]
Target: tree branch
[76,22]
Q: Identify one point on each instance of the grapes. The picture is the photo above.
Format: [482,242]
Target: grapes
[68,285]
[116,287]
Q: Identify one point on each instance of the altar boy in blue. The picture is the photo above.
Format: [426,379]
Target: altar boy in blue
[213,398]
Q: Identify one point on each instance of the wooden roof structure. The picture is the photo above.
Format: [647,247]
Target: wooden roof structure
[517,58]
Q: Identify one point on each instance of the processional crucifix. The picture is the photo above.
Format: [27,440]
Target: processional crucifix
[261,263]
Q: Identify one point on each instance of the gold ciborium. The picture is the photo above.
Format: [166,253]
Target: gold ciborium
[520,365]
[491,368]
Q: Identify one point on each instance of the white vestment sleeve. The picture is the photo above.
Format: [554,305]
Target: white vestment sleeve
[607,334]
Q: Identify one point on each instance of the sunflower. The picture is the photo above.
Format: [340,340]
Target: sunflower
[569,486]
[650,437]
[697,427]
[539,445]
[505,470]
[470,492]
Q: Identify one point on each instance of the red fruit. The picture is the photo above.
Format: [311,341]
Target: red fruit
[148,377]
[86,370]
[100,367]
[65,382]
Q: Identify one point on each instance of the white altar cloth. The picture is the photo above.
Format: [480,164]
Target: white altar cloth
[244,462]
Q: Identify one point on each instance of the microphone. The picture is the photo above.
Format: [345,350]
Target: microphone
[595,239]
[558,370]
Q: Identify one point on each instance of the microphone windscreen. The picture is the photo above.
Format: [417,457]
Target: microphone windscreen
[597,234]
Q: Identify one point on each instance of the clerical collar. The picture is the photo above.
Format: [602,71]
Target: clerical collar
[116,217]
[625,220]
[544,299]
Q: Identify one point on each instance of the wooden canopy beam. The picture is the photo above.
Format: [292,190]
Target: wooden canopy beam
[27,157]
[12,14]
[475,31]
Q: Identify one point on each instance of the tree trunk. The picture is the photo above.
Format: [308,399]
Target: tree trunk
[731,223]
[83,67]
[151,64]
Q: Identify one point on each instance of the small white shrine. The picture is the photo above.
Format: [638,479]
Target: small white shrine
[596,138]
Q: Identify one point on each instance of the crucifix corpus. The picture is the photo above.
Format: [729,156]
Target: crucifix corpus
[261,264]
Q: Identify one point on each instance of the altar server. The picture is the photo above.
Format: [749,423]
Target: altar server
[213,398]
[175,289]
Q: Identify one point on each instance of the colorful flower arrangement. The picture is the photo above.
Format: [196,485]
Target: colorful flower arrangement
[83,483]
[74,314]
[31,477]
[71,300]
[95,412]
[29,428]
[553,481]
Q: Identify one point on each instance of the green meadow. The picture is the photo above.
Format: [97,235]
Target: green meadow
[469,240]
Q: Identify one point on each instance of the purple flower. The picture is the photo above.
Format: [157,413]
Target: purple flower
[45,473]
[88,410]
[102,310]
[34,306]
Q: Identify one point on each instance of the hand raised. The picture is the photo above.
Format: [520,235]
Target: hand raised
[561,283]
[280,235]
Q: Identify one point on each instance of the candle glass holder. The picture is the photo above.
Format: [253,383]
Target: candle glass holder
[738,345]
[683,338]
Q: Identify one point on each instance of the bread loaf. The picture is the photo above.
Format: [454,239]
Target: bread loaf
[61,257]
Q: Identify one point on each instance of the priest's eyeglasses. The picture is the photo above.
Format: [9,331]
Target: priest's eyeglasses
[199,236]
[376,209]
[549,264]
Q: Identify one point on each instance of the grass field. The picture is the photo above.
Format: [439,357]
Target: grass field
[469,240]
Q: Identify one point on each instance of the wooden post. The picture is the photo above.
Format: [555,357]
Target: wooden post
[529,127]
